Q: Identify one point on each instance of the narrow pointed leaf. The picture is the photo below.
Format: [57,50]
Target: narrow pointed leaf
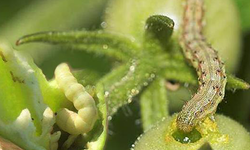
[101,43]
[236,83]
[154,103]
[48,16]
[176,69]
[127,82]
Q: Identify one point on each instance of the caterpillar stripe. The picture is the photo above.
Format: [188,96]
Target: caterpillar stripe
[69,121]
[210,69]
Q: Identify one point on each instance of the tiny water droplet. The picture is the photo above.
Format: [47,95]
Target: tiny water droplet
[132,68]
[129,100]
[152,75]
[114,110]
[109,118]
[106,94]
[110,132]
[159,29]
[105,46]
[134,91]
[104,25]
[145,83]
[138,122]
[186,140]
[162,119]
[186,85]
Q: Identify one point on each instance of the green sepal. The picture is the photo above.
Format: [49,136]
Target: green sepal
[159,27]
[154,103]
[99,42]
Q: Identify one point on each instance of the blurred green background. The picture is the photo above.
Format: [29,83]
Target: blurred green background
[125,126]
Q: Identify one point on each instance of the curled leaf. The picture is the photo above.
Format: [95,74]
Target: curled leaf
[25,118]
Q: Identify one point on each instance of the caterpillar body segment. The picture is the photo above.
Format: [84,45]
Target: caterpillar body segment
[210,68]
[69,121]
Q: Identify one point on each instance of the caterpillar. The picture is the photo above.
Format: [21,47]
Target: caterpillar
[69,121]
[210,69]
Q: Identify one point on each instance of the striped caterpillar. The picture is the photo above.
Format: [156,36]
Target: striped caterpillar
[210,69]
[69,121]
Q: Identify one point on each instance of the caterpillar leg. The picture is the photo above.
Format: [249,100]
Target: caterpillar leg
[69,121]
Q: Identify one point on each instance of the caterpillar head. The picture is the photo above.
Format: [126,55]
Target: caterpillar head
[184,123]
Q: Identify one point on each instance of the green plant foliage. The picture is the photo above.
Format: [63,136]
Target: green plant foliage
[121,48]
[153,103]
[144,52]
[49,15]
[131,22]
[136,71]
[244,11]
[24,117]
[100,43]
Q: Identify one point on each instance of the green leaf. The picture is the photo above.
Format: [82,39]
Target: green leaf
[24,118]
[243,7]
[21,130]
[159,27]
[236,83]
[100,134]
[122,48]
[125,82]
[100,43]
[176,69]
[19,79]
[51,16]
[154,103]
